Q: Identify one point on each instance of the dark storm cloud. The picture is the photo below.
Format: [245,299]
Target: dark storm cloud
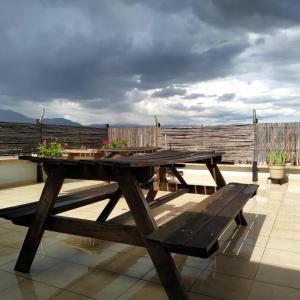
[98,52]
[169,91]
[84,50]
[254,15]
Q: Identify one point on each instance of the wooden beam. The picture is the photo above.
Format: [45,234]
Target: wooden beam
[114,199]
[126,234]
[166,198]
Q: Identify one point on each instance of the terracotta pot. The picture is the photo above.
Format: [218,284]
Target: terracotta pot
[277,171]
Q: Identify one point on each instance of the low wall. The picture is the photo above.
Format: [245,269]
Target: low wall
[14,172]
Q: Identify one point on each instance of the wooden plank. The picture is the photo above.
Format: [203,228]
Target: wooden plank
[72,200]
[111,232]
[196,231]
[208,234]
[179,230]
[110,206]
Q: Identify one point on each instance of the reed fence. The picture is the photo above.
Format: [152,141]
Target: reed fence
[240,142]
[21,137]
[236,141]
[135,137]
[272,136]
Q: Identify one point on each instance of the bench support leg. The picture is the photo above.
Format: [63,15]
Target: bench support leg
[146,224]
[240,219]
[35,232]
[110,206]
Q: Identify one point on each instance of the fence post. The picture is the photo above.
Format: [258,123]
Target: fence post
[254,162]
[39,168]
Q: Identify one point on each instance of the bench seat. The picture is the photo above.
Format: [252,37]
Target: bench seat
[74,199]
[196,231]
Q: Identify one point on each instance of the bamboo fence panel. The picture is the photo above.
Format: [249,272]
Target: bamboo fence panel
[75,136]
[237,141]
[283,136]
[135,137]
[17,137]
[21,137]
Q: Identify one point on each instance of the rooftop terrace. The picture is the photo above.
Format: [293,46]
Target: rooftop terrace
[261,261]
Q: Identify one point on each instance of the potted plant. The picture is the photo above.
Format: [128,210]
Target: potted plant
[276,160]
[114,144]
[50,150]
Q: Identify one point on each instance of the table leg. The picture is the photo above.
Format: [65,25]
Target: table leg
[35,232]
[214,170]
[146,224]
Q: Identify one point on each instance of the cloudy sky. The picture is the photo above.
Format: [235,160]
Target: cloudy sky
[186,61]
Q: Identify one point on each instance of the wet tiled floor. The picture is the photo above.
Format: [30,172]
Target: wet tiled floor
[261,261]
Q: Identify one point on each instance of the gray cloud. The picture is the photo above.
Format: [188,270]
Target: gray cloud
[227,97]
[169,91]
[97,53]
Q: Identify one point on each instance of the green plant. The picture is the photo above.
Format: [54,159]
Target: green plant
[52,149]
[276,157]
[114,144]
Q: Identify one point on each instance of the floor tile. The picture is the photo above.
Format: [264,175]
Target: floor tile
[29,289]
[280,267]
[222,286]
[188,274]
[145,290]
[62,274]
[234,266]
[102,284]
[7,280]
[8,254]
[40,264]
[286,234]
[265,291]
[128,265]
[69,295]
[284,244]
[97,259]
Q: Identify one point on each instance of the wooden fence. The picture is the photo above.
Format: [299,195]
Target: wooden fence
[236,141]
[135,137]
[271,136]
[20,137]
[241,142]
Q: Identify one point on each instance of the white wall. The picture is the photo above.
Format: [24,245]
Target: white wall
[14,172]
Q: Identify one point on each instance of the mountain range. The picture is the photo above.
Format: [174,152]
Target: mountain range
[15,117]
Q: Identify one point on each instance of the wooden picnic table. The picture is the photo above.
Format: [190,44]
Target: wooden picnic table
[194,232]
[102,152]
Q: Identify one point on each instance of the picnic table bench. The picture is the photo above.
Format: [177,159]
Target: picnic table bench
[193,232]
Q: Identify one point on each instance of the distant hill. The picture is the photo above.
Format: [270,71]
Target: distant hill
[12,116]
[15,117]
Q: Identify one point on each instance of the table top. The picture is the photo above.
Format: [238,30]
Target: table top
[167,157]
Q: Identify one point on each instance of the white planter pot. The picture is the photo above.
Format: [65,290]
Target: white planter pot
[277,171]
